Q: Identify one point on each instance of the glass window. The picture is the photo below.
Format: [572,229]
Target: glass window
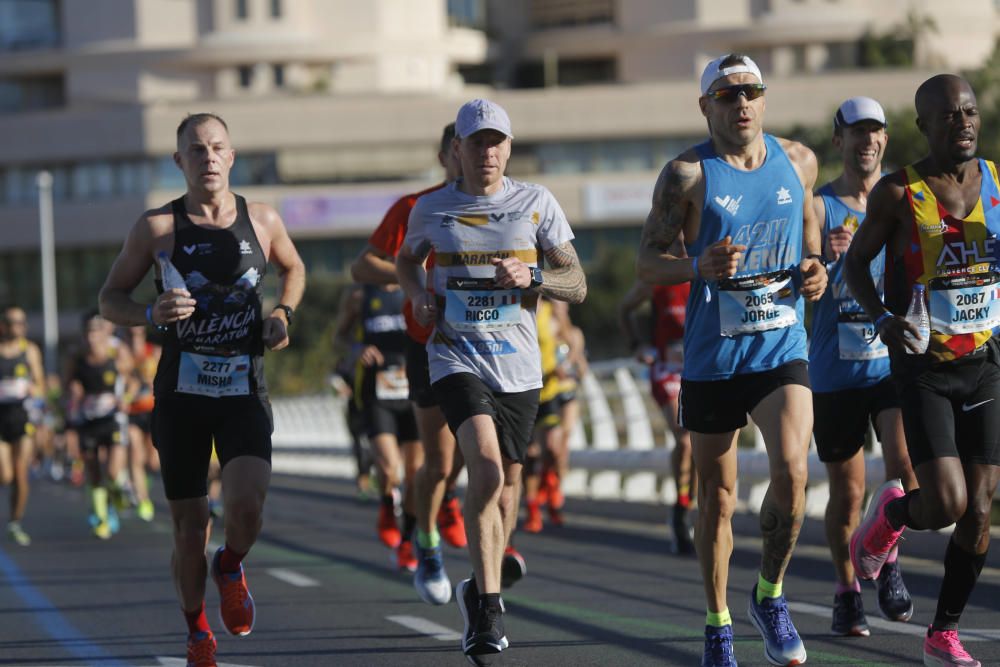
[467,13]
[242,12]
[246,76]
[276,9]
[102,179]
[28,24]
[166,175]
[279,75]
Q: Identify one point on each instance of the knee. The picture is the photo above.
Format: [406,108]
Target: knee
[717,501]
[487,478]
[974,524]
[790,481]
[434,470]
[949,507]
[190,537]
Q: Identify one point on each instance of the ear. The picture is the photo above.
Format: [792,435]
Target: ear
[921,126]
[703,105]
[177,159]
[837,140]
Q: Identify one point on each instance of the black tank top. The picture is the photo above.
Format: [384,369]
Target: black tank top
[223,270]
[15,377]
[99,378]
[382,322]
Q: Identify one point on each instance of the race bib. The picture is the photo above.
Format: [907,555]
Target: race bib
[391,384]
[474,304]
[964,304]
[857,339]
[756,303]
[13,390]
[205,375]
[95,406]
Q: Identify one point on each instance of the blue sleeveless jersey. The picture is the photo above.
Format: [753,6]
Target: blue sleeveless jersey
[753,321]
[840,355]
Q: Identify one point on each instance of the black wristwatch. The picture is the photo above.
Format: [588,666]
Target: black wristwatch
[536,277]
[288,311]
[821,259]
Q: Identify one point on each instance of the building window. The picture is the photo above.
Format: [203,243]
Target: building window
[275,9]
[242,12]
[29,24]
[31,93]
[467,13]
[560,13]
[581,72]
[246,76]
[279,75]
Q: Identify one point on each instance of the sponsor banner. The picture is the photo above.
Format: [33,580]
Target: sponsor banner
[617,201]
[341,212]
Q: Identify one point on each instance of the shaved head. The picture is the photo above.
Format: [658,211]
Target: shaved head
[935,90]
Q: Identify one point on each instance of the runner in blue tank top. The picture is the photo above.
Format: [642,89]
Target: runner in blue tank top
[849,369]
[743,203]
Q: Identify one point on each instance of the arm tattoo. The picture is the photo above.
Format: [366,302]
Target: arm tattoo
[666,218]
[565,280]
[780,531]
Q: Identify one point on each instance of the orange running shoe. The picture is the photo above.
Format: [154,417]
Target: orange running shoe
[388,531]
[201,649]
[554,486]
[451,524]
[405,558]
[236,608]
[533,524]
[513,568]
[555,516]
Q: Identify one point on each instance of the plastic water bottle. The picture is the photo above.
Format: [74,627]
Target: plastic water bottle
[916,315]
[169,275]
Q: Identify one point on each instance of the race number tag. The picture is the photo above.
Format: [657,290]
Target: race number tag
[96,406]
[391,384]
[205,375]
[474,304]
[857,339]
[965,304]
[13,390]
[756,303]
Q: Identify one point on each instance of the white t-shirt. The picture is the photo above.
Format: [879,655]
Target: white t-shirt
[488,332]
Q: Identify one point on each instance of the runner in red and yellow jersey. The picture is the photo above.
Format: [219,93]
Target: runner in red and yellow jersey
[142,453]
[938,220]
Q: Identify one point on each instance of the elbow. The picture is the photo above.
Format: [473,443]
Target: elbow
[357,274]
[104,303]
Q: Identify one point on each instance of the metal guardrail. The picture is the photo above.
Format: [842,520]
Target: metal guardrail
[617,450]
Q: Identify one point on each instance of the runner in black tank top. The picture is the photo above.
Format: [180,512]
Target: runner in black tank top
[209,385]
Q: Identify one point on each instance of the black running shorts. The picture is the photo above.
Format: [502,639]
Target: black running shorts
[841,418]
[185,427]
[392,417]
[142,420]
[464,395]
[13,423]
[103,432]
[721,406]
[418,374]
[953,409]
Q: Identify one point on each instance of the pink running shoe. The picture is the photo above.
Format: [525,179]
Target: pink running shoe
[875,537]
[942,648]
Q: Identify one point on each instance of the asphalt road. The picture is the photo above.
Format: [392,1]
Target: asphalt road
[603,590]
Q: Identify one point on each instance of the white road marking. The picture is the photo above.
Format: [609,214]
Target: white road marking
[292,577]
[966,634]
[181,662]
[425,627]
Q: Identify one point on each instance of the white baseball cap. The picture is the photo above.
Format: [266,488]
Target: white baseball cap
[714,70]
[479,115]
[858,109]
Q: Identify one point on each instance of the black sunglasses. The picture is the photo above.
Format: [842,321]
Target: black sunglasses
[727,94]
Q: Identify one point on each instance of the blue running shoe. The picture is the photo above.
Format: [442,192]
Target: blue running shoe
[113,522]
[430,579]
[718,647]
[782,645]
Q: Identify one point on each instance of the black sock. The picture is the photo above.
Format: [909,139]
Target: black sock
[409,524]
[489,600]
[389,501]
[449,495]
[961,570]
[898,512]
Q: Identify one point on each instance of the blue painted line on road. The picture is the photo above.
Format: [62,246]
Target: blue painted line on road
[51,621]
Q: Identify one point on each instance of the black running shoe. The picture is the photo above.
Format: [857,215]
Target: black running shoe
[484,631]
[893,599]
[512,568]
[849,615]
[683,543]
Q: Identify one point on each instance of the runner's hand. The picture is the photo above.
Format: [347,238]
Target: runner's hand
[813,278]
[511,273]
[837,242]
[893,334]
[371,356]
[173,305]
[425,309]
[275,333]
[720,260]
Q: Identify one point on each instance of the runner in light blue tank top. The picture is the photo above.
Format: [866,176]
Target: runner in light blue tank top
[753,321]
[844,353]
